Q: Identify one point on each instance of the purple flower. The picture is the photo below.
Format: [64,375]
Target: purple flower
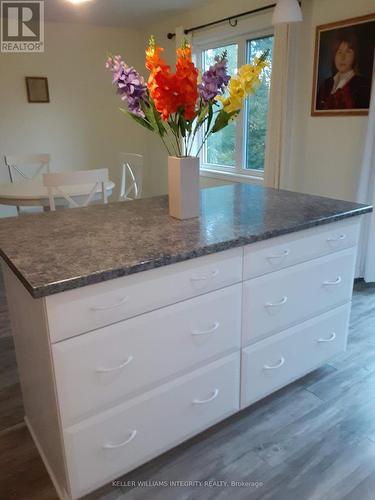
[130,84]
[215,79]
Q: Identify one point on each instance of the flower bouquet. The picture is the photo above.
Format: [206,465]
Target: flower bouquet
[184,110]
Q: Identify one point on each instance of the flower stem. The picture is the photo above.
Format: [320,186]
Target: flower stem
[165,145]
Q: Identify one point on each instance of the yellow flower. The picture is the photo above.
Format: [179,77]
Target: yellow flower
[236,96]
[242,85]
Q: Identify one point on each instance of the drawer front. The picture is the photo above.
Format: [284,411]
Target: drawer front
[103,448]
[274,302]
[277,253]
[78,311]
[276,361]
[100,368]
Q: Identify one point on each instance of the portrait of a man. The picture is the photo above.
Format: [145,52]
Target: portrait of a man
[344,62]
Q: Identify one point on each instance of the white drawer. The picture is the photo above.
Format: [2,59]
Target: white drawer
[150,424]
[276,361]
[278,300]
[144,351]
[78,311]
[274,254]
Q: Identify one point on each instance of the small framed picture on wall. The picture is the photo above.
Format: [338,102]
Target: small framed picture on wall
[37,89]
[343,67]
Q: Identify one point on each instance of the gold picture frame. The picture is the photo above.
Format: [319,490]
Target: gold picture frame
[343,67]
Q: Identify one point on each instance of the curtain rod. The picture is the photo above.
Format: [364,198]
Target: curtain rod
[231,19]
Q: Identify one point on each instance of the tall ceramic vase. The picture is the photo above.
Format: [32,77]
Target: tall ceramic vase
[183,187]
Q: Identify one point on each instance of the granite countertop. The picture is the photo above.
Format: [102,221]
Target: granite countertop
[58,251]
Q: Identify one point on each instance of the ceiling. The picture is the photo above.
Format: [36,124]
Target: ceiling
[129,13]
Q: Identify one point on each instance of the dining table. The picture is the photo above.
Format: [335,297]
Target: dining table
[33,193]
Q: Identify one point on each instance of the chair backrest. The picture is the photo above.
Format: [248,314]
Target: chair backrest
[27,167]
[96,180]
[132,176]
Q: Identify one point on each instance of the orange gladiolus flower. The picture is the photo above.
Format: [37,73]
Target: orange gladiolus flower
[187,81]
[171,92]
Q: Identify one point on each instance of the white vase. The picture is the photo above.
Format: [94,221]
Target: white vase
[183,187]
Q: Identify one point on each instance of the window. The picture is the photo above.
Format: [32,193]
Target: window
[256,111]
[240,147]
[220,147]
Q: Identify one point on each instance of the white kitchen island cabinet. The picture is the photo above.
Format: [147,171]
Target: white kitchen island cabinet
[116,372]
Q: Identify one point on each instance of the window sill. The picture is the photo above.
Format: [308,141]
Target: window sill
[231,177]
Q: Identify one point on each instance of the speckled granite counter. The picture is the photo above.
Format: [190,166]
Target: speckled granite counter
[54,252]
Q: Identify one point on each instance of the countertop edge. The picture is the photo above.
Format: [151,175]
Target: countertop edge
[165,260]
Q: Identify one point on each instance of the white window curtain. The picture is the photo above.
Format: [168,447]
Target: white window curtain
[277,156]
[366,194]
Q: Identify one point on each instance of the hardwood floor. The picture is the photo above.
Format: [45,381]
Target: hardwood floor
[313,440]
[11,408]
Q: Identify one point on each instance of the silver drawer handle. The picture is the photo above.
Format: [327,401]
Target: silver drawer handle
[213,274]
[330,283]
[284,254]
[116,368]
[206,332]
[281,302]
[112,446]
[331,338]
[274,367]
[211,398]
[112,306]
[342,237]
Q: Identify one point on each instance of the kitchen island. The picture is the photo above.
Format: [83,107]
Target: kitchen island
[135,331]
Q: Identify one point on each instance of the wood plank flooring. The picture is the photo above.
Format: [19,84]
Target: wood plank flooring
[312,440]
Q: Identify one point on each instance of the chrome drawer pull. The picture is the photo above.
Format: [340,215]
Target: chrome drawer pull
[116,368]
[281,302]
[111,446]
[205,332]
[211,398]
[112,306]
[284,254]
[342,237]
[274,367]
[213,274]
[336,282]
[331,338]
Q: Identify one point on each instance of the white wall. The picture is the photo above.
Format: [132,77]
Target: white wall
[326,151]
[81,127]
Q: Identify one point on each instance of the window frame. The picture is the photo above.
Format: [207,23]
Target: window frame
[237,172]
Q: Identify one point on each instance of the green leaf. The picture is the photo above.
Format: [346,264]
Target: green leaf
[149,113]
[182,123]
[158,122]
[210,115]
[153,118]
[138,119]
[202,115]
[222,120]
[173,126]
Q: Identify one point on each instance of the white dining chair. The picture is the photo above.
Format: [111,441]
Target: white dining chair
[27,167]
[131,176]
[96,180]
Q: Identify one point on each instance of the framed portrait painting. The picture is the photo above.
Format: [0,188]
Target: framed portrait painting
[343,67]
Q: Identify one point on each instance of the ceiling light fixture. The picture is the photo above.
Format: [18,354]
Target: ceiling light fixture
[287,11]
